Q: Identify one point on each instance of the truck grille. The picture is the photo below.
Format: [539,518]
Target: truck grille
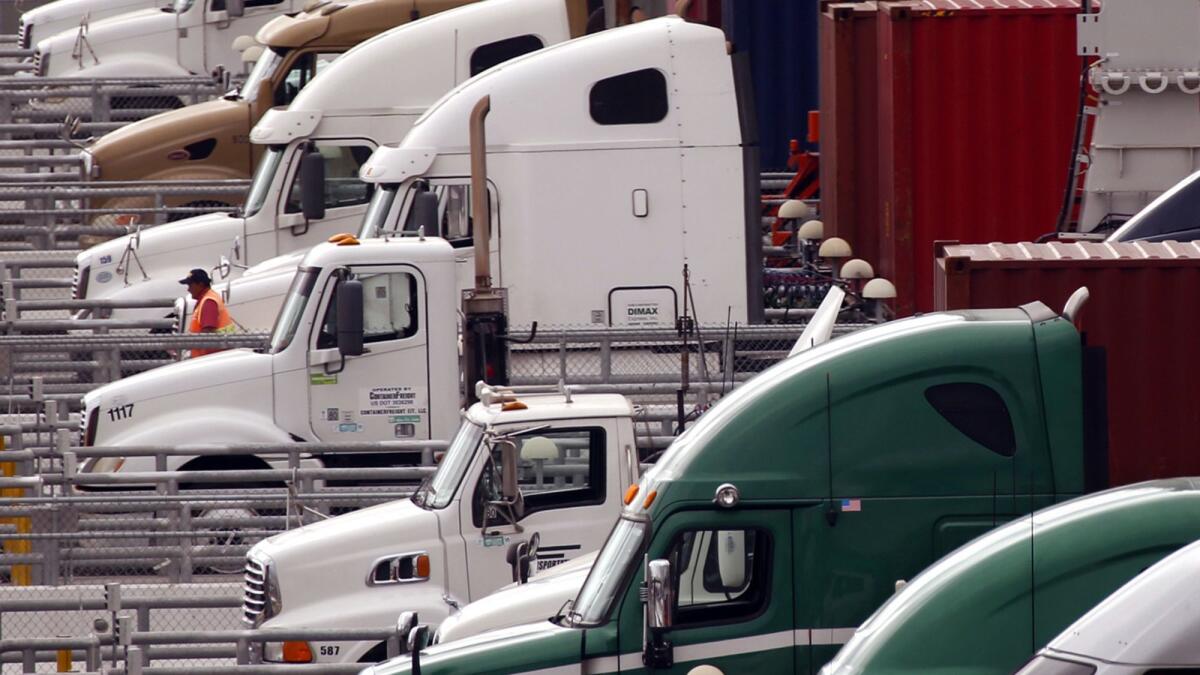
[254,593]
[24,37]
[75,283]
[41,63]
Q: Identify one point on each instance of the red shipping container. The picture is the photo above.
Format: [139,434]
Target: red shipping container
[973,112]
[1139,312]
[849,137]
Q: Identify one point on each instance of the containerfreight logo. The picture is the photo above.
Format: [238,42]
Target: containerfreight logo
[406,401]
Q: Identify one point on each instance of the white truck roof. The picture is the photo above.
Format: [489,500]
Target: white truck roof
[387,251]
[1150,621]
[543,407]
[702,110]
[416,60]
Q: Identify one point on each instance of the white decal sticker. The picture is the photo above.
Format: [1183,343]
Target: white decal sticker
[410,402]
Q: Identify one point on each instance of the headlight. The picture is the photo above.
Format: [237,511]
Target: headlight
[292,651]
[274,596]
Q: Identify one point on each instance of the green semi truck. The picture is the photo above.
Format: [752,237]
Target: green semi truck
[787,514]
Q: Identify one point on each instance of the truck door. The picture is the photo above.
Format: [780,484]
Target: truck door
[732,571]
[568,479]
[346,197]
[220,29]
[384,393]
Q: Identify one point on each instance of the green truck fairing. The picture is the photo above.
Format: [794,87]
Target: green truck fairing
[857,463]
[994,602]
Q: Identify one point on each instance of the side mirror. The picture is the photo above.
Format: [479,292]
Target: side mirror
[350,317]
[660,614]
[418,639]
[660,600]
[224,267]
[312,185]
[235,8]
[425,213]
[508,464]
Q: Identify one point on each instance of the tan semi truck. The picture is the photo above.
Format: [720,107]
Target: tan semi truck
[211,140]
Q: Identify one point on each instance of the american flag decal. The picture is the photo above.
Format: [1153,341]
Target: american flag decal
[851,505]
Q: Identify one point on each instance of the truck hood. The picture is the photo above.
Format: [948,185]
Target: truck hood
[125,153]
[142,31]
[516,604]
[62,10]
[330,559]
[194,376]
[179,237]
[524,648]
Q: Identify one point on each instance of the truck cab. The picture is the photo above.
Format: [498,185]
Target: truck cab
[336,122]
[989,606]
[670,190]
[303,386]
[822,482]
[211,141]
[543,470]
[1148,626]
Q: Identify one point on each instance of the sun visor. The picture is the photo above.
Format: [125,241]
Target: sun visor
[281,126]
[395,164]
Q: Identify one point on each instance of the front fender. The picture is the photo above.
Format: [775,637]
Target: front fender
[358,611]
[190,426]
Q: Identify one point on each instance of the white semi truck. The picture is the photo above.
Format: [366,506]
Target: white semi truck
[669,183]
[62,15]
[358,103]
[548,466]
[619,261]
[187,37]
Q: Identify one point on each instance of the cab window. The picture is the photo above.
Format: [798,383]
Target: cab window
[557,468]
[457,222]
[721,576]
[486,56]
[300,73]
[342,186]
[390,304]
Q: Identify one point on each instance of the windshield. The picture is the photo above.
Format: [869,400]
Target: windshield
[437,492]
[377,212]
[182,6]
[293,308]
[264,175]
[612,567]
[1173,216]
[264,69]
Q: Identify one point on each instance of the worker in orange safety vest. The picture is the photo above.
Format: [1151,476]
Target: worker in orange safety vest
[210,315]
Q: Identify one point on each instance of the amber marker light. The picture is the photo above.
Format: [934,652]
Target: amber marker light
[630,493]
[649,499]
[297,651]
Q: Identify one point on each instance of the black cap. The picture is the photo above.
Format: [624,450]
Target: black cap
[196,276]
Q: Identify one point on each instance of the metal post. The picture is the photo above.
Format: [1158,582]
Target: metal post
[605,359]
[133,661]
[184,573]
